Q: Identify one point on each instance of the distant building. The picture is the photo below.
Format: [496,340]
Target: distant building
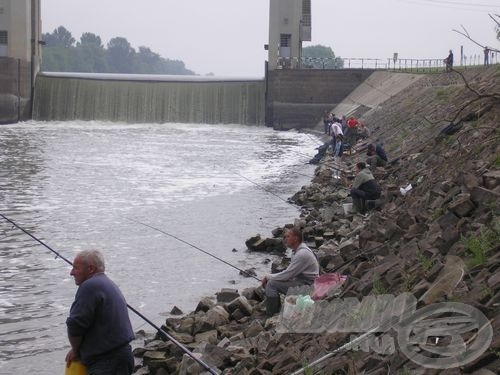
[289,26]
[20,52]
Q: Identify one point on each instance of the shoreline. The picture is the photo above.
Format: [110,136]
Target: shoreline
[418,242]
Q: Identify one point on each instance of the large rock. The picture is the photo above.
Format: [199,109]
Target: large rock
[205,304]
[448,279]
[218,316]
[227,295]
[209,336]
[242,304]
[462,205]
[491,179]
[484,196]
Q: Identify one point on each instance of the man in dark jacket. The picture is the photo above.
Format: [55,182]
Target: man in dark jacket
[364,187]
[99,328]
[376,156]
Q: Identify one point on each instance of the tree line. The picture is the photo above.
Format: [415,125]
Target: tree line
[321,57]
[62,53]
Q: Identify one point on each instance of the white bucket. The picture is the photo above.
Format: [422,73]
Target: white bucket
[347,208]
[289,311]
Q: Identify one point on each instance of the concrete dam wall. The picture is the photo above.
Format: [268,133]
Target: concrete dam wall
[155,99]
[15,90]
[297,98]
[285,99]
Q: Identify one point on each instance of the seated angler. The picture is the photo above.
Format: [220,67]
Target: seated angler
[364,187]
[303,269]
[376,156]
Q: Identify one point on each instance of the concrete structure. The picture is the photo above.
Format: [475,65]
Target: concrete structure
[20,52]
[296,98]
[289,26]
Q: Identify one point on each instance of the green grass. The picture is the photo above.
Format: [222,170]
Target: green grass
[438,212]
[408,283]
[442,94]
[478,245]
[378,286]
[425,262]
[496,162]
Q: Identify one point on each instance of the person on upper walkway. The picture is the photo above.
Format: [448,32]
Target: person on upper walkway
[449,61]
[303,269]
[486,56]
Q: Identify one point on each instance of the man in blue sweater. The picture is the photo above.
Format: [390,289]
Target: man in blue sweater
[99,328]
[303,269]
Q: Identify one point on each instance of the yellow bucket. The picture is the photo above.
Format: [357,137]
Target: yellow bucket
[76,368]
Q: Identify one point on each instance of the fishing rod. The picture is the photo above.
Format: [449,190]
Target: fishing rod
[193,246]
[161,331]
[262,187]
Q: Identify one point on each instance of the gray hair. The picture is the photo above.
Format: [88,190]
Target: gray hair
[94,258]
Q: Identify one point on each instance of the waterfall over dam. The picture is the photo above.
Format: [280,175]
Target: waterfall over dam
[136,98]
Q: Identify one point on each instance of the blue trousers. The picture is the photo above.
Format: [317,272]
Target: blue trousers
[118,362]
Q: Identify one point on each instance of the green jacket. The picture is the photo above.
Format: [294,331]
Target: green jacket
[363,176]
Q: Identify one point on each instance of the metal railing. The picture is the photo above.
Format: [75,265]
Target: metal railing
[406,65]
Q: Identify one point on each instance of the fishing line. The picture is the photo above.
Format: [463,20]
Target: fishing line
[162,332]
[193,246]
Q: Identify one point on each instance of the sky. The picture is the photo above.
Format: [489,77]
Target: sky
[227,37]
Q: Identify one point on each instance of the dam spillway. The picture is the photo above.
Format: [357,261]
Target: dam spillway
[136,98]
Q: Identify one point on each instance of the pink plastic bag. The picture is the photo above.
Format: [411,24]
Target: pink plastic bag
[326,283]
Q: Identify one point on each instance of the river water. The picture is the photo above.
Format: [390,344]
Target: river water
[76,185]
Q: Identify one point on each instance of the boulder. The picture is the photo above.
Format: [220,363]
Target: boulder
[217,316]
[242,304]
[481,195]
[491,179]
[176,311]
[209,336]
[227,295]
[462,205]
[448,279]
[205,304]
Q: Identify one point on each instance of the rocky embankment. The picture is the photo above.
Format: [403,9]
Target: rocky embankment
[439,242]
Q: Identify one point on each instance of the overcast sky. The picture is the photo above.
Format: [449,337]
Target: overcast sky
[227,37]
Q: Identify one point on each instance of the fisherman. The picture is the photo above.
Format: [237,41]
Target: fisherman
[99,328]
[377,156]
[364,187]
[303,269]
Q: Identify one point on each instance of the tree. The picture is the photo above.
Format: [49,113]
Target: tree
[120,55]
[60,37]
[465,33]
[89,39]
[321,57]
[89,55]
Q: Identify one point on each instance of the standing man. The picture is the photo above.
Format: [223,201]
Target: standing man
[303,269]
[326,122]
[449,61]
[364,187]
[486,56]
[99,328]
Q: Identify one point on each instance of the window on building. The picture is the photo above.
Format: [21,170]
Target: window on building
[3,43]
[3,37]
[285,40]
[306,12]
